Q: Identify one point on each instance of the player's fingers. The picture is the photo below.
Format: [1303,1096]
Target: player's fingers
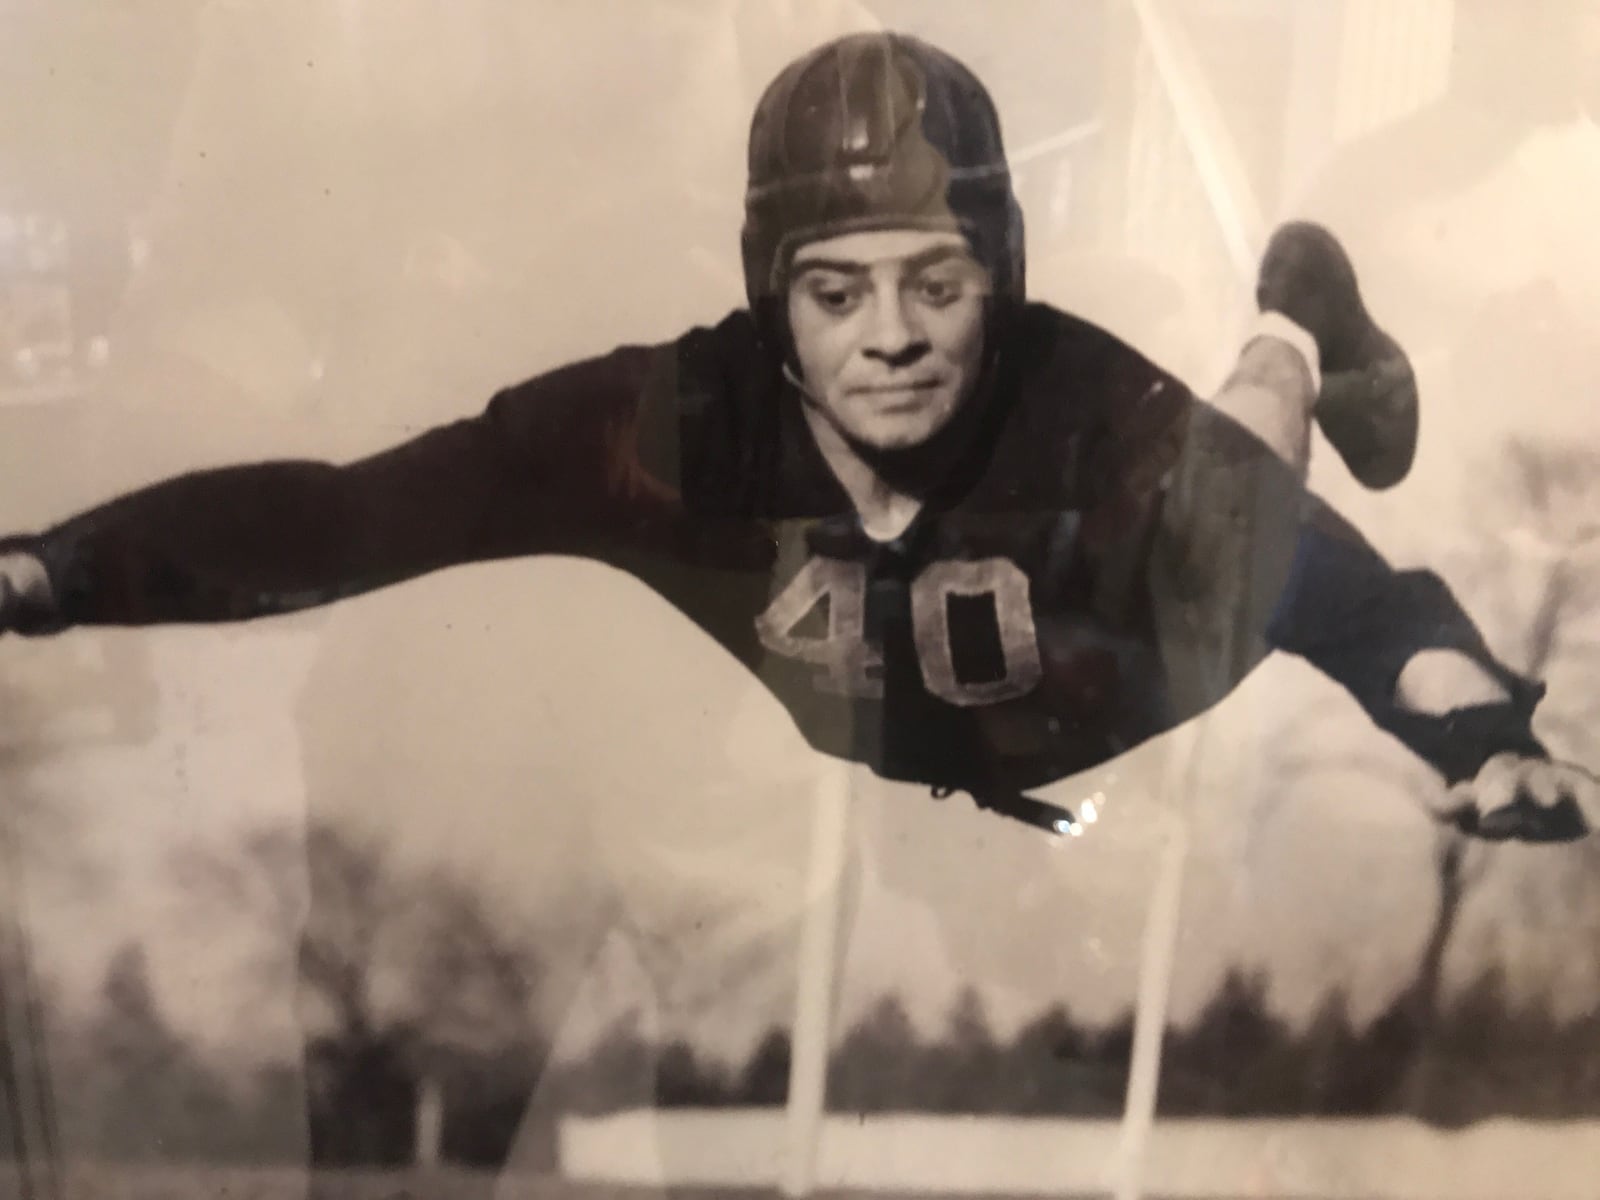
[1495,785]
[21,575]
[1463,802]
[1544,808]
[1544,784]
[1495,806]
[1454,804]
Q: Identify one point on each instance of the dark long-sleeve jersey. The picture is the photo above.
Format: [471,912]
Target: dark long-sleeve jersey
[1107,557]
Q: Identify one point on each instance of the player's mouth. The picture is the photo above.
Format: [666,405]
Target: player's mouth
[911,392]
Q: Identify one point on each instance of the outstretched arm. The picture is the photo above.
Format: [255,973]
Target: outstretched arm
[1231,508]
[545,468]
[1400,643]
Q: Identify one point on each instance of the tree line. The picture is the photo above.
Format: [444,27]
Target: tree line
[1483,1057]
[153,1096]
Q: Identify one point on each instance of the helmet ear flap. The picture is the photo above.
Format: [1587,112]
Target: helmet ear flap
[771,313]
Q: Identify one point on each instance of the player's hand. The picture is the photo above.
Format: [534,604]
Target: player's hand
[1516,798]
[24,589]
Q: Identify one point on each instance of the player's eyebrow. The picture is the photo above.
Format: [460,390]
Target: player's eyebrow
[920,261]
[935,255]
[839,265]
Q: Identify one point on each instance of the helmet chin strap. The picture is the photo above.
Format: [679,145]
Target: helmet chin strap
[799,384]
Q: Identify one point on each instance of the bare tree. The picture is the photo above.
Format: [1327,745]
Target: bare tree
[54,698]
[404,974]
[29,1133]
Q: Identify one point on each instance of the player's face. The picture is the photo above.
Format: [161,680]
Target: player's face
[888,331]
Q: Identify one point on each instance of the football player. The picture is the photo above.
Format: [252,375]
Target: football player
[969,540]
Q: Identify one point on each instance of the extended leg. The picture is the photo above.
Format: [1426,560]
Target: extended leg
[1229,525]
[1231,521]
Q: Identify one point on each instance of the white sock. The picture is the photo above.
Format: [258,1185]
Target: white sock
[1276,325]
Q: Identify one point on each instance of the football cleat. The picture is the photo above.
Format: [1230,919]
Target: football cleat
[1367,406]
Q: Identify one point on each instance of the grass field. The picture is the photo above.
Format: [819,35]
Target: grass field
[211,1183]
[266,1184]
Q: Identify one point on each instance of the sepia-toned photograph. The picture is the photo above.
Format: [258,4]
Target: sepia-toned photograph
[806,598]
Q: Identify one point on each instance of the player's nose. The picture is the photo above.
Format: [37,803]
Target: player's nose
[895,336]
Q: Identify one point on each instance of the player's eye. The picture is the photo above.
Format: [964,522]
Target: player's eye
[835,294]
[940,291]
